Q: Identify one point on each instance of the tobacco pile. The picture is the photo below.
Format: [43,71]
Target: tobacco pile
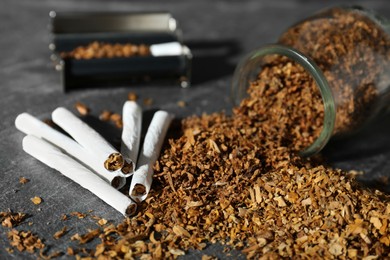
[285,103]
[238,180]
[97,50]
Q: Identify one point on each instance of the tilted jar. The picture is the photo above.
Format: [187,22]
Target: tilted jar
[346,50]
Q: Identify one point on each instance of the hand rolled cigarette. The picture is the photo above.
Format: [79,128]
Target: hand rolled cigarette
[131,136]
[54,158]
[89,139]
[30,125]
[167,49]
[154,139]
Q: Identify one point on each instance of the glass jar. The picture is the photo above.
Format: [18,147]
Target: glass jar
[346,51]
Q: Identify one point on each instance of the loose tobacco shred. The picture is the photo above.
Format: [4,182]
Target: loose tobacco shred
[36,200]
[25,240]
[82,108]
[10,219]
[60,233]
[23,180]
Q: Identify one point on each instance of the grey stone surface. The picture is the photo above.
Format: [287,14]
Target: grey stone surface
[219,34]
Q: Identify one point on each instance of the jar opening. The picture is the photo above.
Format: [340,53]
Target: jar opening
[248,70]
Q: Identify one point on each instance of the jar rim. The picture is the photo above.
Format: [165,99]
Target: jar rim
[241,79]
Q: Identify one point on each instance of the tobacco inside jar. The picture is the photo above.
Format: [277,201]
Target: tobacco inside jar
[327,76]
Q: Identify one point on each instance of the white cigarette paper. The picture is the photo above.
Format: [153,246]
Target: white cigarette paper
[30,125]
[131,135]
[151,148]
[167,49]
[54,158]
[88,138]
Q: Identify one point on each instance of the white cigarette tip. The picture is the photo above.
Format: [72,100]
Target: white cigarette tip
[58,111]
[26,142]
[167,49]
[162,117]
[165,113]
[20,122]
[131,133]
[132,108]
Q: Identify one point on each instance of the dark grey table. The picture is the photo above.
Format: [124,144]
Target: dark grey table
[219,34]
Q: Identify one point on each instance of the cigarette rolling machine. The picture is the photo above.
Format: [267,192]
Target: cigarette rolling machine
[73,29]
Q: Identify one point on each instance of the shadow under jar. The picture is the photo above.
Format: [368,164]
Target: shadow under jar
[327,76]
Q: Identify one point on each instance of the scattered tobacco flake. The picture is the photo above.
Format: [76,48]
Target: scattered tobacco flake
[207,257]
[75,237]
[10,219]
[88,236]
[105,115]
[119,124]
[70,251]
[115,117]
[50,256]
[94,217]
[132,96]
[117,120]
[78,214]
[25,240]
[82,108]
[60,233]
[23,180]
[36,200]
[83,239]
[102,222]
